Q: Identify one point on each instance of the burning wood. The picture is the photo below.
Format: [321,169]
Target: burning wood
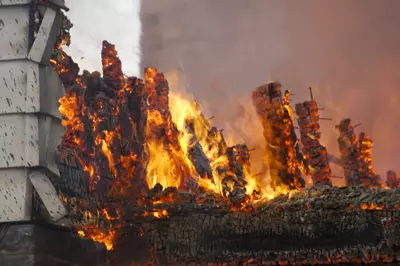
[285,159]
[239,165]
[316,156]
[121,133]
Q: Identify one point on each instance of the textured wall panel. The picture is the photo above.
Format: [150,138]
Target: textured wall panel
[13,2]
[14,29]
[19,141]
[30,124]
[50,133]
[51,90]
[19,87]
[15,195]
[48,195]
[42,38]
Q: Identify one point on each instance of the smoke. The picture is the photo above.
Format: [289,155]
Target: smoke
[348,51]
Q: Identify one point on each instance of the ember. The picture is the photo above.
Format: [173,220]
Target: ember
[149,154]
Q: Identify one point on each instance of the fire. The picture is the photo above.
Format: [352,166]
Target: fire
[371,206]
[144,137]
[160,214]
[167,163]
[106,148]
[160,168]
[106,238]
[185,111]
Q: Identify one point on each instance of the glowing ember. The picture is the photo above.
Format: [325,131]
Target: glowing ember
[371,206]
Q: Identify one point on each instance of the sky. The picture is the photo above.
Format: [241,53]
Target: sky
[348,51]
[116,21]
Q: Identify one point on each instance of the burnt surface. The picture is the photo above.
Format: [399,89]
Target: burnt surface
[41,245]
[322,225]
[326,236]
[73,181]
[131,247]
[287,237]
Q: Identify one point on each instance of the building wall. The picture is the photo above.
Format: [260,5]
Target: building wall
[30,123]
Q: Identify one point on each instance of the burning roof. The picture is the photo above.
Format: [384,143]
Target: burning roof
[141,150]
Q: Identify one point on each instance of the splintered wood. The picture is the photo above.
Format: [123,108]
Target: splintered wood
[315,155]
[284,157]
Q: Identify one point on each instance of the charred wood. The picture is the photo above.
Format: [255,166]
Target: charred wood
[315,226]
[316,156]
[197,155]
[276,116]
[356,156]
[347,141]
[368,177]
[392,180]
